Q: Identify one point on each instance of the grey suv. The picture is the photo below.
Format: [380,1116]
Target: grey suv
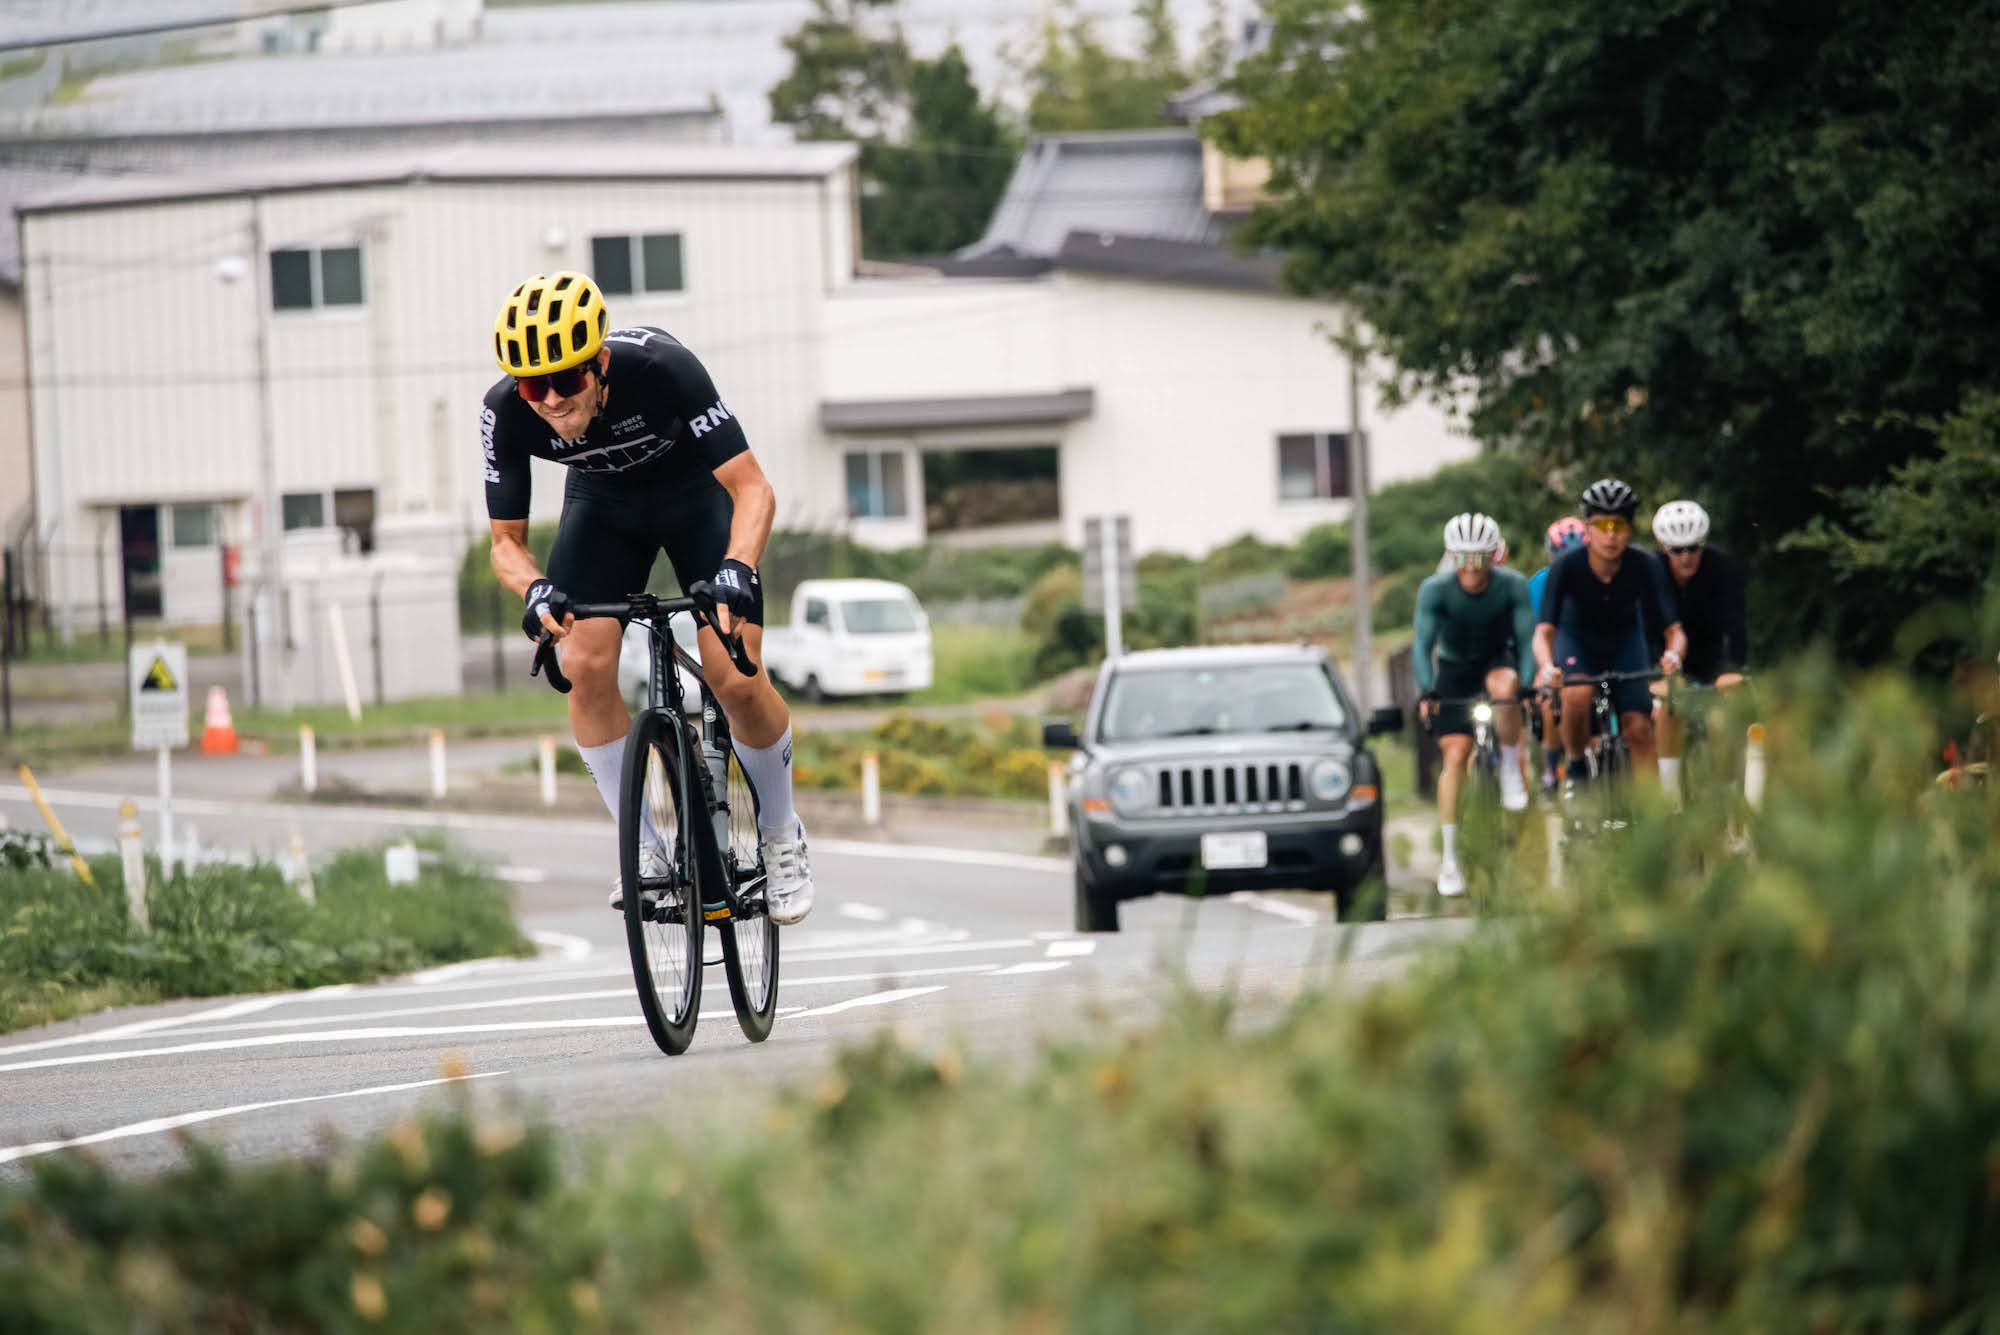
[1201,771]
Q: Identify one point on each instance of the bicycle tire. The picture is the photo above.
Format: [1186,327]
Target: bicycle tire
[663,935]
[749,942]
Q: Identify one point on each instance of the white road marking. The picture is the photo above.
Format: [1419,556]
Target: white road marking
[565,946]
[508,825]
[138,1027]
[1032,966]
[155,1125]
[872,999]
[863,912]
[519,875]
[556,998]
[1070,949]
[1278,908]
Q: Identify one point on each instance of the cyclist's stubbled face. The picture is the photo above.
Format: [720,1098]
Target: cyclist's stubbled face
[570,416]
[1475,578]
[1684,566]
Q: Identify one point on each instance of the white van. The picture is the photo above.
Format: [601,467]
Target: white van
[851,637]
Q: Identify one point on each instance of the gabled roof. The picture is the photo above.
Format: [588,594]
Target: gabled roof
[484,161]
[1133,182]
[1202,264]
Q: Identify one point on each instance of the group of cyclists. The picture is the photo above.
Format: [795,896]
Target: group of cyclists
[1600,614]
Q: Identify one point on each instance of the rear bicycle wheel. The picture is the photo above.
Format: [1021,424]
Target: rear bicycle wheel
[749,937]
[662,914]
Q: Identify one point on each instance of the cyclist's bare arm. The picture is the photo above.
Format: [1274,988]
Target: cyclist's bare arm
[1677,643]
[515,566]
[1545,649]
[756,506]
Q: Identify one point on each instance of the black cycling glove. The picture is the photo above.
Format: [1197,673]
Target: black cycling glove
[543,596]
[735,587]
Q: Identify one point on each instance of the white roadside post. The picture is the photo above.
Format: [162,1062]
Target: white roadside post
[308,761]
[132,852]
[871,789]
[547,747]
[1058,807]
[157,673]
[302,869]
[437,764]
[1753,767]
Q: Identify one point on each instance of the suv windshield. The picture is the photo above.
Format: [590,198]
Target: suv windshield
[1197,702]
[878,616]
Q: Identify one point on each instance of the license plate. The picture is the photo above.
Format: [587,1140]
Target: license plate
[1234,852]
[881,674]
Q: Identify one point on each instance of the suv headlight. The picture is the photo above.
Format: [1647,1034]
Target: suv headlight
[1129,791]
[1330,780]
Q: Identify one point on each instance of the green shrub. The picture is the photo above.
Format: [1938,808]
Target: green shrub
[1244,555]
[218,929]
[1406,519]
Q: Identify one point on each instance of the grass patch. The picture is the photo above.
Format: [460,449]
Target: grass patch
[1692,1090]
[67,948]
[996,756]
[978,663]
[87,646]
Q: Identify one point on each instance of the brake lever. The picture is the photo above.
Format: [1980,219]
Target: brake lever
[545,657]
[703,594]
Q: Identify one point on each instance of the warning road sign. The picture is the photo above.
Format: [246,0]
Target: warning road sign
[158,675]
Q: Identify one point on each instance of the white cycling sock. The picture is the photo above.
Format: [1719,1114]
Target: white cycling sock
[1450,842]
[769,769]
[1670,777]
[606,764]
[1510,759]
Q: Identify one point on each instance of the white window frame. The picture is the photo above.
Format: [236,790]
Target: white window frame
[173,526]
[874,453]
[316,255]
[635,243]
[1325,445]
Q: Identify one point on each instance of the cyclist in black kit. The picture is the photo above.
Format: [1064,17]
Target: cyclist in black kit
[1710,593]
[1591,623]
[656,463]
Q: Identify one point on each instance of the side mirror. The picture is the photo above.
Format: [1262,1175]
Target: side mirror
[1060,735]
[1384,721]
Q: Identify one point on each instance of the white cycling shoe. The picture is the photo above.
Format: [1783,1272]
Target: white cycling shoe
[1451,881]
[1513,792]
[653,864]
[788,884]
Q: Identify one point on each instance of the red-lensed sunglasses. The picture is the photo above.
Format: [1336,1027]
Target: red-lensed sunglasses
[570,380]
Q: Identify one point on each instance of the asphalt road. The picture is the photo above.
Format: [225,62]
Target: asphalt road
[960,947]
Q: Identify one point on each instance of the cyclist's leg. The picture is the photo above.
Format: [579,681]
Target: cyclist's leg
[1634,702]
[598,557]
[1503,688]
[1573,655]
[695,534]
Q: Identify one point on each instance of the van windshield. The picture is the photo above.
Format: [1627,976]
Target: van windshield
[878,616]
[1196,702]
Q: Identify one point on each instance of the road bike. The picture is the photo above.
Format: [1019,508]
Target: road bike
[1607,754]
[682,781]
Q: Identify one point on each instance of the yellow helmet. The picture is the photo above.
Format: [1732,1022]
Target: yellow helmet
[549,323]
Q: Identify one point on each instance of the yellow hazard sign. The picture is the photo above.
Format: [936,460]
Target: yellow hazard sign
[159,677]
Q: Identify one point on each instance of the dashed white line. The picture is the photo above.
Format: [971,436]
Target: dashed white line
[155,1125]
[1070,949]
[138,1027]
[872,999]
[519,875]
[1278,908]
[565,946]
[863,912]
[1032,966]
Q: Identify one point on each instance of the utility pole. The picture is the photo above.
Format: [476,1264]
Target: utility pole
[278,625]
[56,560]
[1357,526]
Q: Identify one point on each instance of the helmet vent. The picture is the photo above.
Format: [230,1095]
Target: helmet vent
[555,347]
[555,310]
[562,282]
[579,334]
[535,302]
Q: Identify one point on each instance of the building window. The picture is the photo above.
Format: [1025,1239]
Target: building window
[305,509]
[305,280]
[875,485]
[1312,466]
[194,525]
[623,265]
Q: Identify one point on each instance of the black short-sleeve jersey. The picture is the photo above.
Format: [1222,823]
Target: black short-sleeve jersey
[663,422]
[1576,600]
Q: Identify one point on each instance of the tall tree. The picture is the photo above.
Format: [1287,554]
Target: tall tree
[850,75]
[938,187]
[1731,247]
[1076,82]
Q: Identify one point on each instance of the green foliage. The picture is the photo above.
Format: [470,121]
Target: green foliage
[1706,246]
[482,604]
[934,155]
[938,187]
[220,929]
[1739,1073]
[1244,555]
[995,757]
[1406,519]
[1075,82]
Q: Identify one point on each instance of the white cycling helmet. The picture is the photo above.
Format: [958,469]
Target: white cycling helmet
[1680,524]
[1471,533]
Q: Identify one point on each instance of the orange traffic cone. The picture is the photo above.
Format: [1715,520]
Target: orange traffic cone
[218,733]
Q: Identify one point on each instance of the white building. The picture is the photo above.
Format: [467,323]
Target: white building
[367,289]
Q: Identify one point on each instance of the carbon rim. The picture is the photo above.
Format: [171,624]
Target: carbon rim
[672,945]
[755,933]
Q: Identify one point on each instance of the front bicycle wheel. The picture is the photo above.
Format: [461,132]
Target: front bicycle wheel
[662,913]
[749,937]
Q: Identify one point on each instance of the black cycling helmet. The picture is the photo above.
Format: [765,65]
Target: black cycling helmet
[1609,496]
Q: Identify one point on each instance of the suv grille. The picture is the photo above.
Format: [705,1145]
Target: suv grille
[1245,786]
